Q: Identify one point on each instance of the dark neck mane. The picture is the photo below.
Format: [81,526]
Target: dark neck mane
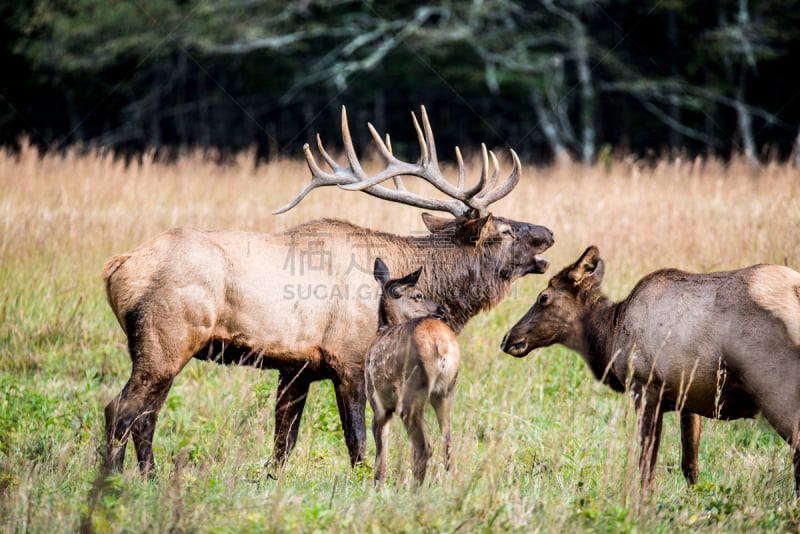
[464,280]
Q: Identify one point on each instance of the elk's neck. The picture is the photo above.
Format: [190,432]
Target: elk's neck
[463,280]
[385,316]
[597,344]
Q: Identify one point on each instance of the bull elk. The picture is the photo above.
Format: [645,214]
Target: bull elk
[413,360]
[302,301]
[722,345]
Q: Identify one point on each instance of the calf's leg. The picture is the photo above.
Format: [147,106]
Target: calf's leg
[380,431]
[413,416]
[443,406]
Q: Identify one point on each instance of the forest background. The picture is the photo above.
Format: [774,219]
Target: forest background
[553,79]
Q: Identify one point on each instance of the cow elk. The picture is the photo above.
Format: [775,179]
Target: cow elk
[722,345]
[413,360]
[302,301]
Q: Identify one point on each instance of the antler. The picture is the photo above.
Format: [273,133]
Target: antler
[353,178]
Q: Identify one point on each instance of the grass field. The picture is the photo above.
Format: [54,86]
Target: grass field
[538,444]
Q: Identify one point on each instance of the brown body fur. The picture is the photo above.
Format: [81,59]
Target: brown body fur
[413,360]
[723,345]
[301,301]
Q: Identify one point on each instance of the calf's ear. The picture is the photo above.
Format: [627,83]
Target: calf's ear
[380,271]
[410,279]
[589,267]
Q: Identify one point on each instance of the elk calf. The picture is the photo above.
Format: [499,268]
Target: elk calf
[413,359]
[723,345]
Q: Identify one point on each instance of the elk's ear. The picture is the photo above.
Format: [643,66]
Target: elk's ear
[590,266]
[470,231]
[434,223]
[410,279]
[381,272]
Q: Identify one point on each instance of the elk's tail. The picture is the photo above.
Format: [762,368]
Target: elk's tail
[110,267]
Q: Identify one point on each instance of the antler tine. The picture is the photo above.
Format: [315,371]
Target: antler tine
[428,169]
[398,182]
[426,124]
[462,174]
[492,181]
[394,167]
[470,193]
[328,159]
[349,149]
[495,194]
[384,147]
[423,146]
[319,177]
[353,177]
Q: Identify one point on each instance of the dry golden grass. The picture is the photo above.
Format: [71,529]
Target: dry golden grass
[538,444]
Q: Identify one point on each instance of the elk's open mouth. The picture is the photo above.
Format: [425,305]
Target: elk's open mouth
[514,347]
[540,265]
[537,266]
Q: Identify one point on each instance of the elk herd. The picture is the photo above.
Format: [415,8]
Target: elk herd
[722,345]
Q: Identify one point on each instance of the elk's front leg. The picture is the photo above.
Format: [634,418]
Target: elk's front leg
[691,425]
[352,402]
[650,419]
[291,399]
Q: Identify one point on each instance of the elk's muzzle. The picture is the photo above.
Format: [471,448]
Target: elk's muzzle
[517,347]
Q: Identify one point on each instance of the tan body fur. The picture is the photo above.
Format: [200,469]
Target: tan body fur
[412,361]
[722,345]
[302,301]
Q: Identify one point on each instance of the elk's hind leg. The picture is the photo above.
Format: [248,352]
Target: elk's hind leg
[413,416]
[133,414]
[144,427]
[380,431]
[158,353]
[691,426]
[775,387]
[781,407]
[443,406]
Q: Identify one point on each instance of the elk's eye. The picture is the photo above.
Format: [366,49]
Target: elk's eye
[507,232]
[544,299]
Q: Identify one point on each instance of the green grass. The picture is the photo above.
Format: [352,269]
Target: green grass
[538,444]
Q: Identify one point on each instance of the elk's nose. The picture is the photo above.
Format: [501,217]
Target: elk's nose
[514,347]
